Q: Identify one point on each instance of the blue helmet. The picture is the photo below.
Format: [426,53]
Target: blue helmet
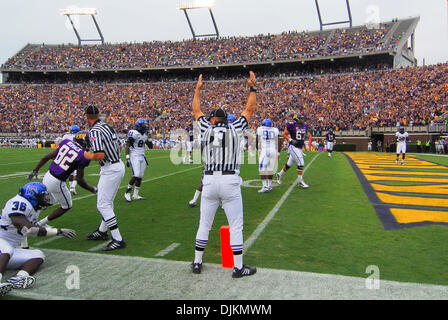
[74,129]
[141,125]
[266,123]
[36,193]
[230,118]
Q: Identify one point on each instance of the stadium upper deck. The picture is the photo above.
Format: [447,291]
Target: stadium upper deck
[389,39]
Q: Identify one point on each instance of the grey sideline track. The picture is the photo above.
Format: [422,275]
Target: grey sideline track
[111,277]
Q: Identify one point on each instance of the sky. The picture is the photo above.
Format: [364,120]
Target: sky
[31,21]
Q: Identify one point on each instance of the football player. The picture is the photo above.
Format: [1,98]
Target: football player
[135,157]
[74,129]
[268,144]
[330,140]
[402,138]
[19,219]
[68,157]
[189,144]
[295,133]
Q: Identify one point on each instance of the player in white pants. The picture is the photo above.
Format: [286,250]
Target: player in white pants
[135,158]
[267,142]
[402,138]
[18,220]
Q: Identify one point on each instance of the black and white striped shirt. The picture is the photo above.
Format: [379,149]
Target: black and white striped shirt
[221,144]
[103,138]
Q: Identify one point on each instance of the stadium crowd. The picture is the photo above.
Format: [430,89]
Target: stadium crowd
[230,50]
[408,96]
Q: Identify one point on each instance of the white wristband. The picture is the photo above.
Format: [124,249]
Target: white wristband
[51,231]
[127,157]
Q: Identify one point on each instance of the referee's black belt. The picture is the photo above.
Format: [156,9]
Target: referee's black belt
[209,172]
[109,162]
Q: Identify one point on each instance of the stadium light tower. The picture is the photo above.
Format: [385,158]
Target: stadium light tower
[82,12]
[199,4]
[322,24]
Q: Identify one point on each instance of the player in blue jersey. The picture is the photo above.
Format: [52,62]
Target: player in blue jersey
[18,220]
[69,156]
[295,133]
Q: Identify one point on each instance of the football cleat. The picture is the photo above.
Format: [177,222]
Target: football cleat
[192,204]
[402,162]
[114,245]
[73,191]
[5,288]
[263,190]
[138,198]
[196,268]
[127,196]
[21,282]
[97,235]
[243,272]
[279,178]
[303,185]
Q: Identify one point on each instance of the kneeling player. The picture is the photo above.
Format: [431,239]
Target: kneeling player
[135,157]
[267,142]
[19,219]
[295,133]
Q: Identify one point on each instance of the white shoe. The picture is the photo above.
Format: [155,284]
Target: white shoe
[138,198]
[73,191]
[279,179]
[127,196]
[21,282]
[5,288]
[192,204]
[303,185]
[263,190]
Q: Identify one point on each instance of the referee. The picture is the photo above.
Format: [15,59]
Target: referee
[105,149]
[221,182]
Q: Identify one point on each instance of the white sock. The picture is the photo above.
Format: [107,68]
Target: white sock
[269,183]
[73,184]
[129,188]
[263,181]
[23,273]
[300,177]
[1,276]
[281,173]
[136,190]
[116,234]
[198,256]
[103,226]
[196,195]
[238,261]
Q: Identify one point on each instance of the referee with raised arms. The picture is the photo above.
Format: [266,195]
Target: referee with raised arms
[222,183]
[105,149]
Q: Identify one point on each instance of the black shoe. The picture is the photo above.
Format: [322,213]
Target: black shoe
[244,271]
[97,235]
[114,245]
[196,267]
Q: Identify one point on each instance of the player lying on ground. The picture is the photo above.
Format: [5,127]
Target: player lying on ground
[19,219]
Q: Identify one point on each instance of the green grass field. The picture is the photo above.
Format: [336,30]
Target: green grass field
[330,228]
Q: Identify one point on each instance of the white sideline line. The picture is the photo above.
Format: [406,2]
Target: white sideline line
[37,244]
[253,237]
[98,247]
[167,250]
[152,179]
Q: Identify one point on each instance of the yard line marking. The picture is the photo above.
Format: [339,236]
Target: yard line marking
[98,247]
[152,179]
[37,244]
[167,249]
[250,241]
[14,163]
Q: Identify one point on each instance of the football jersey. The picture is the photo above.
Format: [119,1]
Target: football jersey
[297,132]
[330,137]
[70,157]
[267,137]
[16,206]
[69,136]
[401,137]
[189,129]
[137,142]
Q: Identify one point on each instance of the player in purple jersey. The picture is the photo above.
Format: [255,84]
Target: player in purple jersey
[295,133]
[330,140]
[68,157]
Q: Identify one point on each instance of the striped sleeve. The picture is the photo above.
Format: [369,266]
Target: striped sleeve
[96,141]
[240,124]
[203,124]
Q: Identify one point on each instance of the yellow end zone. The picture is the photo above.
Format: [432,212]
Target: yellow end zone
[413,216]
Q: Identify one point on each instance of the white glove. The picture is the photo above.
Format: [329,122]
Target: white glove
[68,233]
